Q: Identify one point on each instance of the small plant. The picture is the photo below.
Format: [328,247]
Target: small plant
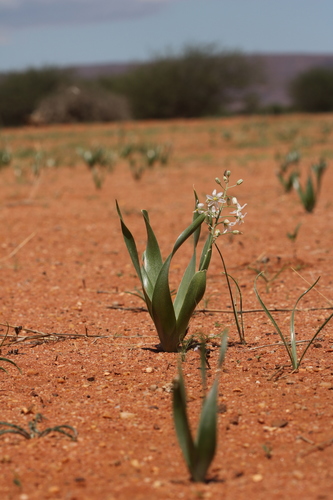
[291,347]
[33,432]
[5,158]
[144,156]
[309,195]
[198,452]
[171,318]
[284,175]
[99,161]
[8,361]
[292,236]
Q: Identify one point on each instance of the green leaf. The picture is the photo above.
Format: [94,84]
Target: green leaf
[163,313]
[292,326]
[207,435]
[11,362]
[206,253]
[195,292]
[276,326]
[196,234]
[152,259]
[309,196]
[181,422]
[223,348]
[314,337]
[190,270]
[130,243]
[184,284]
[187,232]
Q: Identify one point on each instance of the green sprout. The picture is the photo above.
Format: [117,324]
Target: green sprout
[99,161]
[33,432]
[171,317]
[143,156]
[199,452]
[8,361]
[5,158]
[284,175]
[292,236]
[309,194]
[291,346]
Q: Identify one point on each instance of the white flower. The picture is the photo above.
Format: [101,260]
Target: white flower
[200,208]
[215,200]
[238,213]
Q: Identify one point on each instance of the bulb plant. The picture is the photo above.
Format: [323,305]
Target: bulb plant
[33,431]
[171,317]
[309,194]
[284,175]
[199,452]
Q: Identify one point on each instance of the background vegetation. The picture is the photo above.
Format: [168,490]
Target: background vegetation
[198,81]
[312,91]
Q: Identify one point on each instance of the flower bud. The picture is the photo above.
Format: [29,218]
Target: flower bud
[236,232]
[234,200]
[227,173]
[217,180]
[239,182]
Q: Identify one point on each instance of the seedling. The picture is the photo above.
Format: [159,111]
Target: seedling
[8,361]
[5,158]
[284,175]
[199,452]
[291,347]
[292,236]
[33,432]
[309,194]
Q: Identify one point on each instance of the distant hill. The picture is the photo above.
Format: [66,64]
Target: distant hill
[279,70]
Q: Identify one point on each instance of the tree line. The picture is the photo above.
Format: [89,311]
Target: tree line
[197,82]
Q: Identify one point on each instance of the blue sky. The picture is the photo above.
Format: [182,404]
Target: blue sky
[34,33]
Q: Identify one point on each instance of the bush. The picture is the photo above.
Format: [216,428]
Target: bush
[312,91]
[80,104]
[198,82]
[21,92]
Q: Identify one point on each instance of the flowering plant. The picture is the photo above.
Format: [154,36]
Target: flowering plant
[171,318]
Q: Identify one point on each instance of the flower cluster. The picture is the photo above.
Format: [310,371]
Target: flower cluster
[215,204]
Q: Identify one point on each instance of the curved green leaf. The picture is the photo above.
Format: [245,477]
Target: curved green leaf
[207,435]
[11,362]
[272,320]
[163,313]
[194,294]
[152,259]
[187,232]
[292,326]
[184,284]
[206,253]
[181,422]
[196,234]
[130,243]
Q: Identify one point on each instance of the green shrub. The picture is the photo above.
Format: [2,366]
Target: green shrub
[312,91]
[198,82]
[20,92]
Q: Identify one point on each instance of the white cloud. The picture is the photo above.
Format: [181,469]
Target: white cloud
[29,13]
